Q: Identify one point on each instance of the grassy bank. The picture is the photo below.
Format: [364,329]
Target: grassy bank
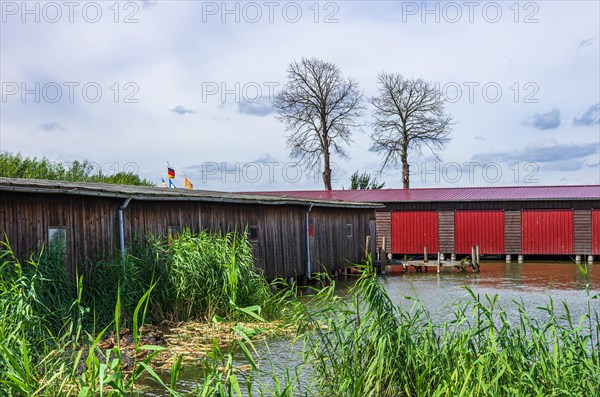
[60,336]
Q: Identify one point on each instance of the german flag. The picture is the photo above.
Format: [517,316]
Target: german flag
[170,172]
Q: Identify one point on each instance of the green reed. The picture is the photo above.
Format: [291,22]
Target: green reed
[367,346]
[359,345]
[51,325]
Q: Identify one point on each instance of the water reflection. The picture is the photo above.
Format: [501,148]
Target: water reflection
[532,284]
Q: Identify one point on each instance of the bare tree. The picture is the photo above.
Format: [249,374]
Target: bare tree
[319,108]
[409,114]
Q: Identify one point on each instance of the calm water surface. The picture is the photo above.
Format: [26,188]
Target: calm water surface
[533,284]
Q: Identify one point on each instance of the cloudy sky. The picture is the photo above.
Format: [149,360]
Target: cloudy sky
[133,85]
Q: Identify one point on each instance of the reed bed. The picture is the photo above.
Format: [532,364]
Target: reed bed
[367,346]
[60,336]
[198,276]
[54,332]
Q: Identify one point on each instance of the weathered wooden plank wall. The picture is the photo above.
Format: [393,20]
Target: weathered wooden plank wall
[90,222]
[384,229]
[280,249]
[446,232]
[92,228]
[335,245]
[582,229]
[512,232]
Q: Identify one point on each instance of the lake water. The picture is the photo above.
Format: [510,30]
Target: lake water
[533,284]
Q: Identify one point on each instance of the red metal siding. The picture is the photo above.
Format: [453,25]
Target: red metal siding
[414,230]
[483,228]
[596,232]
[547,232]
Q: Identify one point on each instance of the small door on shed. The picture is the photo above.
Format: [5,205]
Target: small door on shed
[412,231]
[596,232]
[547,232]
[483,228]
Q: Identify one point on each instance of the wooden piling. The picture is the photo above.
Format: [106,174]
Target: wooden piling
[439,259]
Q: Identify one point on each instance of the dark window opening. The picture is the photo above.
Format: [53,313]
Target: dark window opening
[348,230]
[253,233]
[57,238]
[172,233]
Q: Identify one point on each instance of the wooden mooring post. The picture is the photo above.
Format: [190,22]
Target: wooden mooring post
[475,258]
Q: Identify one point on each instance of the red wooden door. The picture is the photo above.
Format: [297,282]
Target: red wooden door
[547,232]
[596,232]
[483,228]
[412,231]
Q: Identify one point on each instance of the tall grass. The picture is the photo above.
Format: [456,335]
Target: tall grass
[360,345]
[367,346]
[211,274]
[197,276]
[51,327]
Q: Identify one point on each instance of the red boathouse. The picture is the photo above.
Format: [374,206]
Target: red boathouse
[510,220]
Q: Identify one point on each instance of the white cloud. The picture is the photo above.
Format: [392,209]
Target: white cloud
[544,121]
[182,110]
[177,50]
[589,117]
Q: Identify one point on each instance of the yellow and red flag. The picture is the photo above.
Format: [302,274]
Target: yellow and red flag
[187,184]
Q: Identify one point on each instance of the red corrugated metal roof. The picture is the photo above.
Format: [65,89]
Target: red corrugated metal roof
[496,193]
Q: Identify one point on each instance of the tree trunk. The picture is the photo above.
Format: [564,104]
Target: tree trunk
[327,178]
[326,169]
[405,167]
[326,165]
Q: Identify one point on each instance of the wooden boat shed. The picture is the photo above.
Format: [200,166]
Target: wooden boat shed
[512,221]
[291,237]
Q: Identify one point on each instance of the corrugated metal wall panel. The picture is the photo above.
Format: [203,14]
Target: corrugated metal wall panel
[596,232]
[547,232]
[414,230]
[483,228]
[512,232]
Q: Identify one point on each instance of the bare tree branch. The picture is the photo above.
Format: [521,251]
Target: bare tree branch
[319,109]
[409,115]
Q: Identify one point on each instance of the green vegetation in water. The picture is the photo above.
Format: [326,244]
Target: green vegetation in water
[17,166]
[367,346]
[362,345]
